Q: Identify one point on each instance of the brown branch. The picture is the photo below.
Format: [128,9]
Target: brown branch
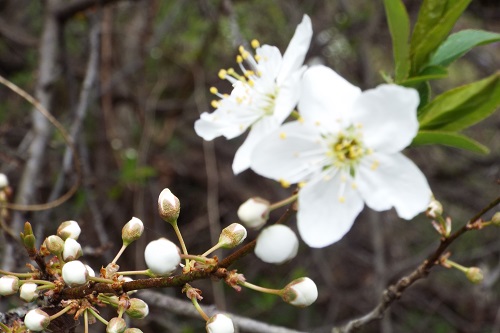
[394,291]
[67,10]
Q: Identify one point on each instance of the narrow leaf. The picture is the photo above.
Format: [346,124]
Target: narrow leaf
[429,73]
[462,107]
[399,27]
[460,43]
[449,139]
[435,21]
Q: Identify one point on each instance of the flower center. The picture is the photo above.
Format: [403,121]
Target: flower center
[346,149]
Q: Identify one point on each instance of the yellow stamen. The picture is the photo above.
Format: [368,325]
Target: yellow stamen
[283,135]
[215,104]
[375,165]
[213,90]
[239,59]
[341,199]
[301,184]
[255,43]
[257,57]
[222,74]
[284,183]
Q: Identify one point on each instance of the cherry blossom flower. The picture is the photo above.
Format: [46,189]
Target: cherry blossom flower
[262,97]
[345,151]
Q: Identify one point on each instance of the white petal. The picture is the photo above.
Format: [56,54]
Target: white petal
[326,97]
[291,153]
[393,181]
[288,96]
[388,115]
[221,122]
[270,60]
[258,131]
[323,218]
[297,49]
[276,244]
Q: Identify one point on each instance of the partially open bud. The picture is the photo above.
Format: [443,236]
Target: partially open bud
[28,291]
[162,256]
[74,273]
[72,250]
[69,229]
[138,308]
[4,181]
[90,271]
[116,325]
[54,244]
[220,323]
[276,244]
[9,285]
[474,275]
[132,230]
[434,209]
[169,206]
[254,212]
[496,219]
[301,292]
[36,320]
[232,236]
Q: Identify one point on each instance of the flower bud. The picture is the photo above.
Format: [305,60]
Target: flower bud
[496,219]
[300,292]
[276,244]
[220,323]
[132,231]
[69,229]
[434,209]
[132,330]
[36,320]
[138,308]
[116,325]
[72,250]
[74,273]
[4,181]
[232,236]
[169,206]
[90,271]
[474,275]
[54,244]
[254,212]
[9,285]
[28,292]
[162,256]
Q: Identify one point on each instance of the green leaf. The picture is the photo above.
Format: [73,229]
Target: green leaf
[435,21]
[460,43]
[450,139]
[462,107]
[429,73]
[399,27]
[424,92]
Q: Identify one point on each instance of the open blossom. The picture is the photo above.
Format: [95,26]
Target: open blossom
[346,151]
[263,96]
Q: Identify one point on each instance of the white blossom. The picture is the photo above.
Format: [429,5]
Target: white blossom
[254,212]
[232,236]
[72,250]
[263,96]
[220,323]
[346,151]
[132,230]
[301,292]
[4,181]
[69,229]
[27,291]
[74,273]
[162,256]
[169,206]
[9,285]
[36,320]
[276,244]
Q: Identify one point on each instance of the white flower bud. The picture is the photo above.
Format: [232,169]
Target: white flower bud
[232,236]
[474,275]
[36,320]
[300,292]
[132,330]
[220,323]
[138,308]
[74,273]
[132,230]
[69,229]
[54,244]
[162,256]
[72,250]
[169,206]
[9,285]
[276,244]
[90,270]
[4,181]
[496,219]
[116,325]
[254,212]
[28,291]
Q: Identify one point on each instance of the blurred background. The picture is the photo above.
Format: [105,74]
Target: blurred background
[129,78]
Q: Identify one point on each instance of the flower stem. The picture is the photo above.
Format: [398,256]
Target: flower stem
[199,309]
[86,321]
[19,275]
[214,248]
[181,240]
[283,202]
[119,254]
[261,289]
[5,328]
[457,266]
[143,272]
[98,317]
[47,283]
[197,258]
[60,313]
